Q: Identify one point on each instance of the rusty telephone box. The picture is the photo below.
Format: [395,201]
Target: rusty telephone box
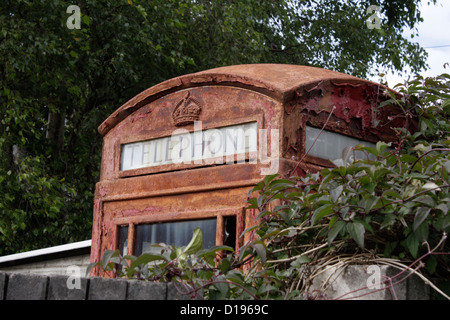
[184,153]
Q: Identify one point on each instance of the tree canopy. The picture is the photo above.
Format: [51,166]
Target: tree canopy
[59,83]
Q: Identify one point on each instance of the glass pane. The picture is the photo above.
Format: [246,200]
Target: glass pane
[329,145]
[177,233]
[123,240]
[195,146]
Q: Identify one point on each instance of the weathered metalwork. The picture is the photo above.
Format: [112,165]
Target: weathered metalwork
[281,98]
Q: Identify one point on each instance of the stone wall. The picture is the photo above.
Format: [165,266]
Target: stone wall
[19,286]
[351,282]
[369,282]
[49,267]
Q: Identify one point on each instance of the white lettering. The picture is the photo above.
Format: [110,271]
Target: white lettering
[74,20]
[234,144]
[198,143]
[197,310]
[180,141]
[264,157]
[374,281]
[374,20]
[74,280]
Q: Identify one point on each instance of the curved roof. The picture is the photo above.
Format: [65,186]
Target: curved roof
[279,81]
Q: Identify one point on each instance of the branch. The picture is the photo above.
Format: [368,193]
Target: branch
[415,162]
[298,256]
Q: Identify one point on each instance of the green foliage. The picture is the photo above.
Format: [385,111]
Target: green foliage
[193,268]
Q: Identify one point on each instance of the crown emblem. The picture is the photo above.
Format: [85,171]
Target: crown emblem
[186,111]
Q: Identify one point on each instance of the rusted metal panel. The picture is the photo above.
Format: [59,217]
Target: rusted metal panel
[274,80]
[278,98]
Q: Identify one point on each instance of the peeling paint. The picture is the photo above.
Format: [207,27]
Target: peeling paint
[280,97]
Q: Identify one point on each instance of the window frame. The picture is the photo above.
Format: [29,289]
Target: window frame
[220,215]
[333,126]
[127,139]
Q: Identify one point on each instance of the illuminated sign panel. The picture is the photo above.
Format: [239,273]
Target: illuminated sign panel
[191,147]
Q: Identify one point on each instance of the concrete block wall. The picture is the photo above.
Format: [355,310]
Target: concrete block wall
[333,283]
[51,266]
[18,286]
[367,282]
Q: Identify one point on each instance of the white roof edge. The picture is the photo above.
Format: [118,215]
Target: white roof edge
[46,251]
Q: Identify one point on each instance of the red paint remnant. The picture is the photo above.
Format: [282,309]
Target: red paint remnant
[103,191]
[275,80]
[130,212]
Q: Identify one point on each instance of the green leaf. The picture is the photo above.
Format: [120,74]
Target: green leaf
[408,158]
[370,150]
[431,264]
[236,277]
[90,267]
[412,244]
[389,219]
[253,203]
[281,184]
[379,173]
[421,214]
[443,222]
[249,229]
[366,224]
[427,200]
[143,260]
[391,193]
[336,192]
[86,19]
[107,256]
[260,251]
[356,230]
[421,233]
[346,153]
[269,178]
[196,243]
[257,187]
[222,285]
[368,203]
[210,254]
[321,212]
[335,230]
[224,265]
[381,146]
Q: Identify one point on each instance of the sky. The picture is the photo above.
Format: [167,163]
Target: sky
[434,37]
